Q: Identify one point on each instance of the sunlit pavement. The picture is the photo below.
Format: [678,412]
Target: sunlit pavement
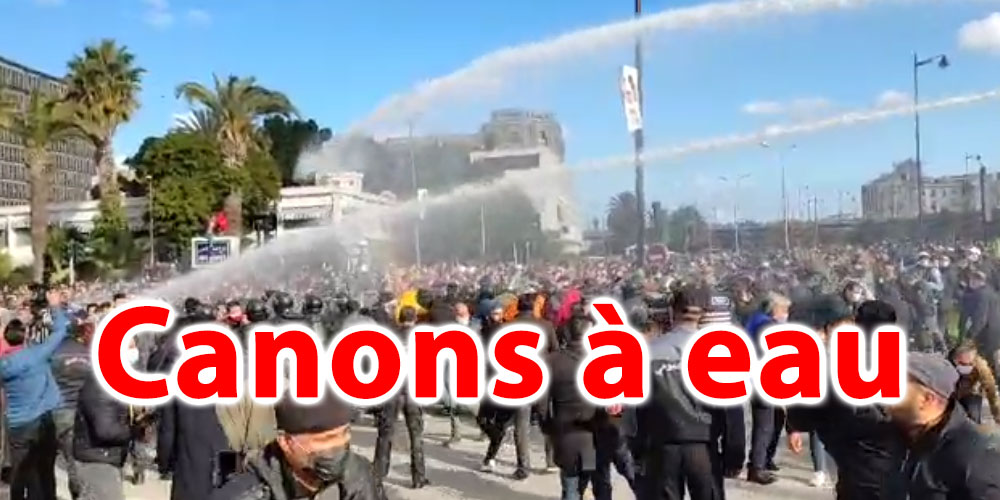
[454,472]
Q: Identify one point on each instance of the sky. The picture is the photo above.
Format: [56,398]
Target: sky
[338,60]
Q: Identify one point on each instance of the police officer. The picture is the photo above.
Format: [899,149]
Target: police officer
[412,414]
[310,458]
[284,307]
[312,309]
[257,311]
[682,449]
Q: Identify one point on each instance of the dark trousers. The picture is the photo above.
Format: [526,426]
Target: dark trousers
[522,429]
[33,460]
[768,423]
[574,483]
[973,405]
[610,443]
[64,421]
[674,468]
[735,439]
[386,421]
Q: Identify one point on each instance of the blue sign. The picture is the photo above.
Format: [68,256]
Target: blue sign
[209,251]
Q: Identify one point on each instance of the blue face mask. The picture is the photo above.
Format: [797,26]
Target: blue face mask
[964,369]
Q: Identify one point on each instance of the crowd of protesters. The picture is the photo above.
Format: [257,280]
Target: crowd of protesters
[936,444]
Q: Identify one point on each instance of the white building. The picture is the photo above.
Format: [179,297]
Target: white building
[339,196]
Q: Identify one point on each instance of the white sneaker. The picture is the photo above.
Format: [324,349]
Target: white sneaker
[818,480]
[487,466]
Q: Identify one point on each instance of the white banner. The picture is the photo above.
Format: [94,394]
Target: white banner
[631,98]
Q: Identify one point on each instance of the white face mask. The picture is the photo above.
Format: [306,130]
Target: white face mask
[132,356]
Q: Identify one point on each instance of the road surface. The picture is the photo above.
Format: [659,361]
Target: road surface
[454,472]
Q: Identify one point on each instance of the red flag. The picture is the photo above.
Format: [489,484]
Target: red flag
[221,223]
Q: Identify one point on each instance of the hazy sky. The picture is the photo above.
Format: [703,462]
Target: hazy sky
[338,60]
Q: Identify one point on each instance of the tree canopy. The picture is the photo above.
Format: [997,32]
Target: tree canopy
[191,181]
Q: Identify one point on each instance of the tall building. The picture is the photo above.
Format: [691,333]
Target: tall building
[894,195]
[72,161]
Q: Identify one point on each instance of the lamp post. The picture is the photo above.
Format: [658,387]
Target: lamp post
[736,208]
[966,195]
[152,238]
[784,189]
[942,62]
[416,194]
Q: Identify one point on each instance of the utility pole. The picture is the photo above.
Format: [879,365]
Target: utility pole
[416,195]
[816,221]
[982,201]
[942,62]
[638,135]
[784,190]
[482,227]
[152,239]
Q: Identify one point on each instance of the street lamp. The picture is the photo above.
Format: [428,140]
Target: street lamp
[784,192]
[942,62]
[736,208]
[152,239]
[965,184]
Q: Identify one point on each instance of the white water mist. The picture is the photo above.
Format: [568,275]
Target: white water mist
[313,245]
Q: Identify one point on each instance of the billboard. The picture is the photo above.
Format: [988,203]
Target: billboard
[210,251]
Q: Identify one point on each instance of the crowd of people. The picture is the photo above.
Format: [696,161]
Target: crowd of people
[933,445]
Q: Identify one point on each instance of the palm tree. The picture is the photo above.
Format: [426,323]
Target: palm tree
[45,121]
[236,107]
[623,219]
[104,83]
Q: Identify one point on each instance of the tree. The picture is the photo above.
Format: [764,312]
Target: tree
[623,220]
[191,182]
[289,139]
[45,121]
[104,83]
[237,105]
[684,226]
[112,242]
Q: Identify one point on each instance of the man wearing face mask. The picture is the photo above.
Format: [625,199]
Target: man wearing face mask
[949,458]
[311,458]
[980,318]
[975,383]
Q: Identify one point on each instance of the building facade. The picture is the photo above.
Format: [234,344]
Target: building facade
[512,142]
[73,168]
[894,195]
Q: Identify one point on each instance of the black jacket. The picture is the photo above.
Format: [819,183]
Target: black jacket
[954,462]
[672,415]
[102,432]
[551,340]
[569,419]
[980,318]
[862,441]
[71,369]
[266,480]
[189,439]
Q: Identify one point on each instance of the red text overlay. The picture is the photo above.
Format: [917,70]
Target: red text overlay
[367,365]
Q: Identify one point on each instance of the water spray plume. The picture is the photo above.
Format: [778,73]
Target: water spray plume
[778,131]
[489,72]
[313,245]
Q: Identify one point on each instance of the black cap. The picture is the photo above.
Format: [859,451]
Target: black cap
[328,414]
